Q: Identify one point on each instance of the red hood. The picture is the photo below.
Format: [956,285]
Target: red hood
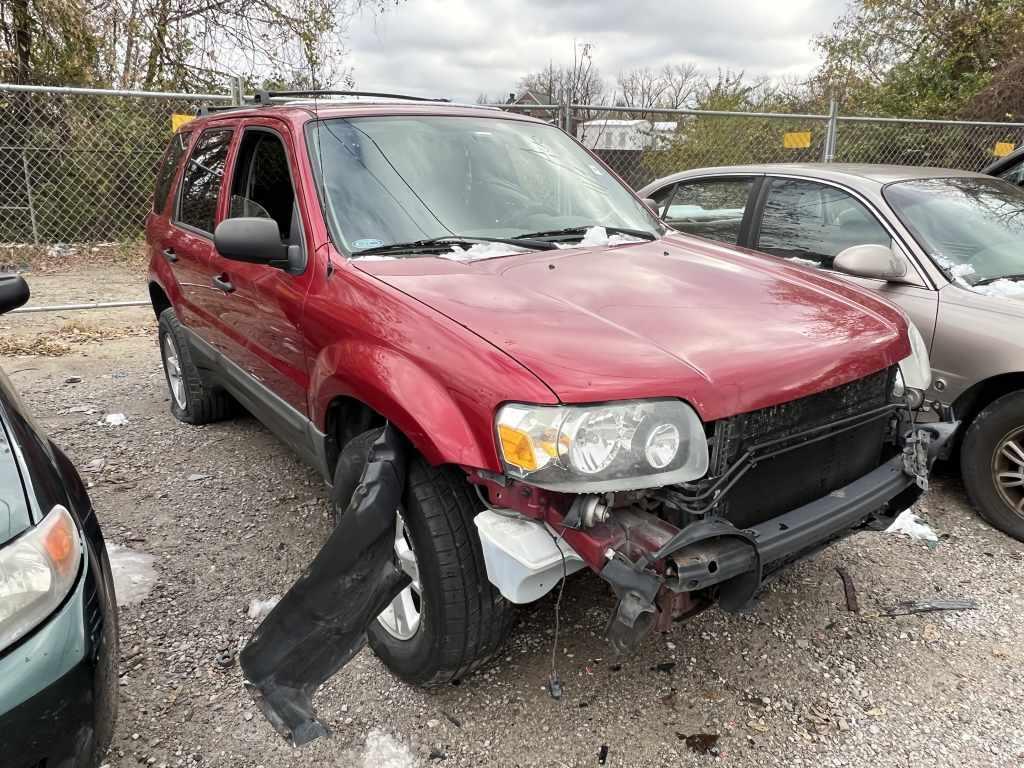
[728,330]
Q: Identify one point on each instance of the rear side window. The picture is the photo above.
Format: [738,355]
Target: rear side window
[200,184]
[165,173]
[712,208]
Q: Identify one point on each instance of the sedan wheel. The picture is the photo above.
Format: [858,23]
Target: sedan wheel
[1008,470]
[992,463]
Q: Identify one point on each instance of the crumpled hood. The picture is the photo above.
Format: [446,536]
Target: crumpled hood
[728,330]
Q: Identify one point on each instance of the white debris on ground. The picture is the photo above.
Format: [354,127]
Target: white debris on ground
[385,751]
[258,609]
[802,262]
[114,420]
[909,524]
[133,573]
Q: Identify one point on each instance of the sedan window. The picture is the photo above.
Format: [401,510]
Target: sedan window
[811,223]
[711,208]
[1014,173]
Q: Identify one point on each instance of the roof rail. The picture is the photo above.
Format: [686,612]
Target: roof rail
[264,97]
[210,109]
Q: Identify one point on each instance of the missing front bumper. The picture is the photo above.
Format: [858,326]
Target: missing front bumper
[714,553]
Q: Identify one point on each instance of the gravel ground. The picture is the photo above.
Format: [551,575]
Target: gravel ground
[230,515]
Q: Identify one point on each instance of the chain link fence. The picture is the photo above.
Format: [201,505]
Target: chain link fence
[77,165]
[642,145]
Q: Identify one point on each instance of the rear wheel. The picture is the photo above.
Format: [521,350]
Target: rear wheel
[992,463]
[193,400]
[450,619]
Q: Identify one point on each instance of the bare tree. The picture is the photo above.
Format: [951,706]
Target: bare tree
[641,88]
[682,83]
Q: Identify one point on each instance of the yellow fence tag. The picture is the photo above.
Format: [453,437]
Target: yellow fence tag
[1003,148]
[179,120]
[796,140]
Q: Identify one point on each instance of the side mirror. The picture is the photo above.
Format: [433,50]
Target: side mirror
[13,292]
[252,239]
[876,261]
[651,203]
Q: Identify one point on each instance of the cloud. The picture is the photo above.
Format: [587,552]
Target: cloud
[460,48]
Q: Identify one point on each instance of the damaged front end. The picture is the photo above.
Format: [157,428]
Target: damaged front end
[782,483]
[321,622]
[774,485]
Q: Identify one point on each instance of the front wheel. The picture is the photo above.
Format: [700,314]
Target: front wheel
[450,620]
[992,463]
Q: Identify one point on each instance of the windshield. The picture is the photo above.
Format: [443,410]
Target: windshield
[402,179]
[972,227]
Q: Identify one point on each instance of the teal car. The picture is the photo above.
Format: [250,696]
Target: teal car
[58,614]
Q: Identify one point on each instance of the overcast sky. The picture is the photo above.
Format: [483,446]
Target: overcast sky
[459,48]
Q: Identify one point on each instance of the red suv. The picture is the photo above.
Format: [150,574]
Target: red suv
[509,369]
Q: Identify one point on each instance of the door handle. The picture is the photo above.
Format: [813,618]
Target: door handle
[170,255]
[222,282]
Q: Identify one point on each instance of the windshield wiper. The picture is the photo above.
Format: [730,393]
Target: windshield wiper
[990,280]
[440,243]
[638,233]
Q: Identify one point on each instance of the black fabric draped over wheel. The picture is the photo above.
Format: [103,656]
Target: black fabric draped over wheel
[320,623]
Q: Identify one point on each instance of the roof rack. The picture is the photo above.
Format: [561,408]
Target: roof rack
[209,109]
[264,97]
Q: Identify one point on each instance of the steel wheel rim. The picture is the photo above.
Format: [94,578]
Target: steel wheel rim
[402,617]
[1008,470]
[172,365]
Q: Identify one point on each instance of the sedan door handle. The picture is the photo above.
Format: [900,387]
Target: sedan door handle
[222,282]
[170,255]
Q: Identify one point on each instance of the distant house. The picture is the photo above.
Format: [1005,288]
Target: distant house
[629,135]
[529,98]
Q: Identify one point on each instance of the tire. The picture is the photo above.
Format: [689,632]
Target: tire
[463,619]
[195,402]
[994,445]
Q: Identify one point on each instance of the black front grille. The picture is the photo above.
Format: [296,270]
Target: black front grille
[791,454]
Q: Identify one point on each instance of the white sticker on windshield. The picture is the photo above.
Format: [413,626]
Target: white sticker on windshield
[368,242]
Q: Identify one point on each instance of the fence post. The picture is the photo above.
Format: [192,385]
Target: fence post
[237,91]
[28,194]
[829,150]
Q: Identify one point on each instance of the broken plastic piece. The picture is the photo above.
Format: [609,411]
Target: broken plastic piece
[849,590]
[907,607]
[911,525]
[320,623]
[555,685]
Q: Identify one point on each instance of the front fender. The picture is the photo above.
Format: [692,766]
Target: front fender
[428,413]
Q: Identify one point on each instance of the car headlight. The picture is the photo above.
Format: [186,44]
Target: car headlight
[598,448]
[916,367]
[37,571]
